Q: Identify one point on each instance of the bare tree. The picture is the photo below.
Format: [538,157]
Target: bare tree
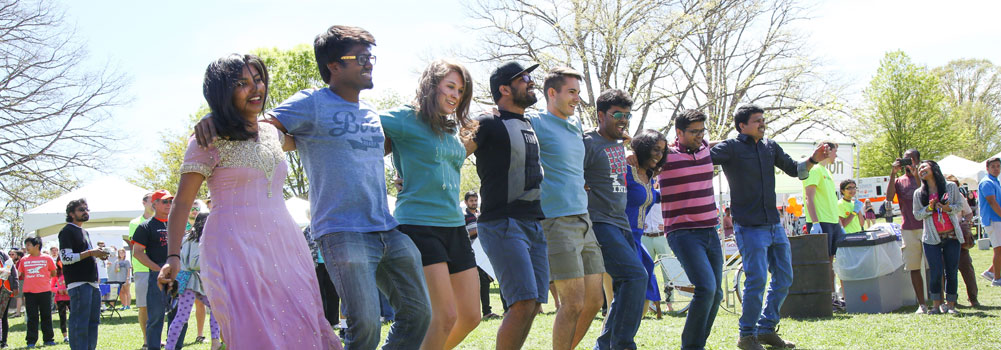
[670,55]
[50,108]
[626,44]
[748,52]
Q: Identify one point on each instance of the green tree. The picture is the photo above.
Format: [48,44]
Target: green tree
[165,171]
[291,71]
[973,91]
[905,108]
[11,212]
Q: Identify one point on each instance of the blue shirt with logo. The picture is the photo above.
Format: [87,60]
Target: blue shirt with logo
[341,147]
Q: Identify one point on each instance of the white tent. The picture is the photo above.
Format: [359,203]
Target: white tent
[967,171]
[112,202]
[299,208]
[985,160]
[112,236]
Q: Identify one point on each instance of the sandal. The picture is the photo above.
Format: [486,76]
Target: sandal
[200,339]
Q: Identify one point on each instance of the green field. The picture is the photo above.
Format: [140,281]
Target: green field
[972,329]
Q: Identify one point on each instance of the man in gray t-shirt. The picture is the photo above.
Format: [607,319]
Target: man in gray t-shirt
[605,176]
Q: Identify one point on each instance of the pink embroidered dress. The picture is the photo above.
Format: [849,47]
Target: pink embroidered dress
[256,268]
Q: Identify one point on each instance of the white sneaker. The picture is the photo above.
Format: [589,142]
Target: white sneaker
[989,275]
[922,309]
[996,283]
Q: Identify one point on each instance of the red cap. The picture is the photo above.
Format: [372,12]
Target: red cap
[161,194]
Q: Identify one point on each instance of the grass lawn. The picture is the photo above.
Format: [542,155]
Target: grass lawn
[972,329]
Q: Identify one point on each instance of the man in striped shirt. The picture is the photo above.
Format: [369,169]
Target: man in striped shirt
[690,219]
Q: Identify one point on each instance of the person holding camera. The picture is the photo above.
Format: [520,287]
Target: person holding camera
[911,230]
[80,276]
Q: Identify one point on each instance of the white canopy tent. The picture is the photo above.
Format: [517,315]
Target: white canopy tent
[113,203]
[967,171]
[112,236]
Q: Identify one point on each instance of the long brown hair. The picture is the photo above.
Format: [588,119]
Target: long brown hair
[426,101]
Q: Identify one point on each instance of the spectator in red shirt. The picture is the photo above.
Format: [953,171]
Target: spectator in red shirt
[38,271]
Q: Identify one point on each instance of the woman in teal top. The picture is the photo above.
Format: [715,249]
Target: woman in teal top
[427,142]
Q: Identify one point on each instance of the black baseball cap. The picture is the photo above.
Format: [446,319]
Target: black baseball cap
[505,73]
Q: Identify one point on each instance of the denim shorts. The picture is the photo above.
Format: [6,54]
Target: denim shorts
[517,250]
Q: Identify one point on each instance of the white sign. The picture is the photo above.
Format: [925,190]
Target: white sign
[872,188]
[841,169]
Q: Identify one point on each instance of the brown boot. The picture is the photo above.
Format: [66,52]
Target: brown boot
[749,343]
[773,340]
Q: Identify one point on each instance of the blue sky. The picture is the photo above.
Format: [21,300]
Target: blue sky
[164,47]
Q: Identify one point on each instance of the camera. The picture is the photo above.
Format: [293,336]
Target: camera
[904,161]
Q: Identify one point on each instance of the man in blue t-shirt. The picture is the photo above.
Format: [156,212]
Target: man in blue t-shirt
[575,263]
[990,215]
[341,143]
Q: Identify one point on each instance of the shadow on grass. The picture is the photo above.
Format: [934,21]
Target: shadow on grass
[834,317]
[23,327]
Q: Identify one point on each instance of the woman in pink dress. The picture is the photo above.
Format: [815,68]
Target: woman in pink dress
[256,269]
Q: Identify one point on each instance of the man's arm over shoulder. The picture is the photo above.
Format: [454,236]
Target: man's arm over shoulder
[785,162]
[721,152]
[487,125]
[296,115]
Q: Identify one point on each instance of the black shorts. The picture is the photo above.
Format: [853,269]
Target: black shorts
[442,244]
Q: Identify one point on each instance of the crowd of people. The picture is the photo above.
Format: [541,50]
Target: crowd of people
[562,210]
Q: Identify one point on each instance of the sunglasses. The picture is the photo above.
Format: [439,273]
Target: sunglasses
[166,201]
[362,60]
[621,115]
[850,188]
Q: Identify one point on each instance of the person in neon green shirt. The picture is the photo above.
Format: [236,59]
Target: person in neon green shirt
[849,217]
[822,201]
[140,271]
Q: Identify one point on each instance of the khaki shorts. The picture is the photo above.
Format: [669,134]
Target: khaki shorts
[913,249]
[573,249]
[994,233]
[142,287]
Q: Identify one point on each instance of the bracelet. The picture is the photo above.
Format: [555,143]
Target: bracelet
[178,256]
[812,161]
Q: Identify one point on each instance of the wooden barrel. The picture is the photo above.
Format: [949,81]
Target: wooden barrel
[810,293]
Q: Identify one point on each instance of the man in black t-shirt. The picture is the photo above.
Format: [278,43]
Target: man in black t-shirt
[80,272]
[507,162]
[150,249]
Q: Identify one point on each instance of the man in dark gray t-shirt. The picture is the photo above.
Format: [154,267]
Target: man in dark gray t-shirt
[605,178]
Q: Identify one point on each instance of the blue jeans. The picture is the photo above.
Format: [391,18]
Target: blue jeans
[764,249]
[699,252]
[386,310]
[85,315]
[943,257]
[361,264]
[629,280]
[156,309]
